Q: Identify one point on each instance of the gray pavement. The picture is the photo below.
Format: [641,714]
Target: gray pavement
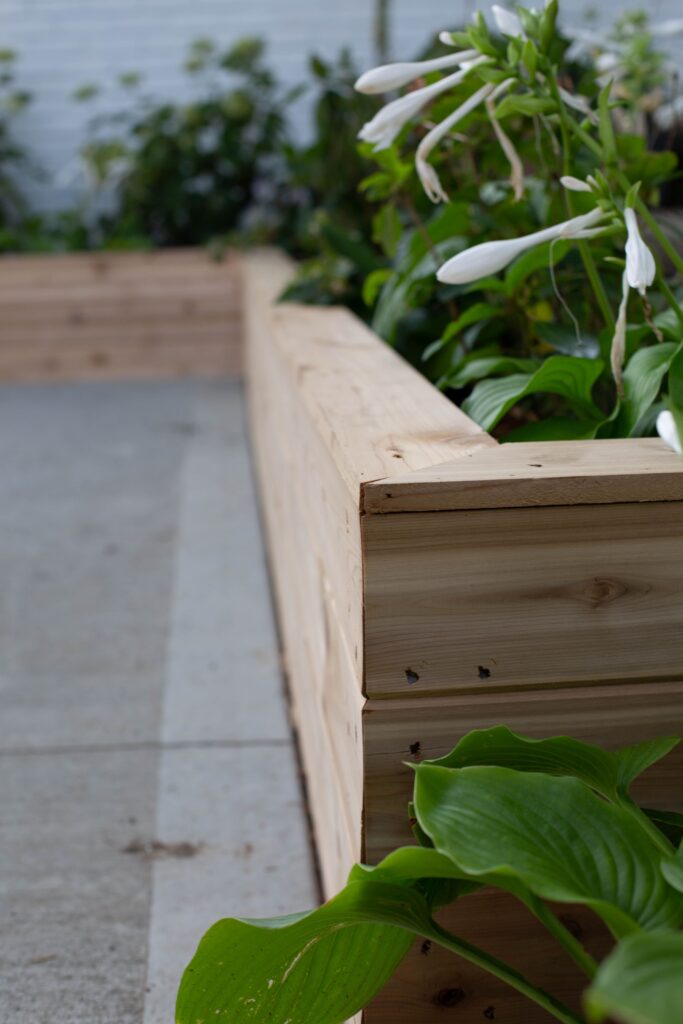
[148,781]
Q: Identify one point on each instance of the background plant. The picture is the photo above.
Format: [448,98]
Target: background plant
[487,342]
[549,820]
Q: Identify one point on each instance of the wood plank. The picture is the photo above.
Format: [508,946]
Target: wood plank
[373,411]
[543,473]
[520,598]
[313,532]
[432,983]
[120,315]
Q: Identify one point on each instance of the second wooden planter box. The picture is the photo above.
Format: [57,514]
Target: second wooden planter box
[428,582]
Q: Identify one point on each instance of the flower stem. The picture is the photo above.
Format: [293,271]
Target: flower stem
[573,947]
[584,248]
[670,297]
[505,973]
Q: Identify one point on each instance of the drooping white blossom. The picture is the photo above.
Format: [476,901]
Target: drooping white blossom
[507,22]
[427,174]
[640,263]
[491,257]
[388,122]
[573,184]
[667,430]
[393,76]
[618,347]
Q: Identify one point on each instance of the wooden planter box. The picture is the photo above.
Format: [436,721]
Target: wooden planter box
[429,581]
[114,315]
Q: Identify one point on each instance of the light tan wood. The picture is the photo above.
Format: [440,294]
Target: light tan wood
[519,598]
[546,596]
[543,473]
[110,316]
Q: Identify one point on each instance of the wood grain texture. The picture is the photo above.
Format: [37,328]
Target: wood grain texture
[539,473]
[518,598]
[433,985]
[313,534]
[120,315]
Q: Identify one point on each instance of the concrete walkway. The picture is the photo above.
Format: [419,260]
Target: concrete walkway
[148,781]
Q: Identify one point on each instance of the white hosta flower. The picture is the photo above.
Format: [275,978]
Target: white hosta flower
[640,263]
[618,348]
[490,257]
[388,122]
[578,103]
[507,22]
[394,76]
[427,174]
[667,430]
[506,144]
[573,184]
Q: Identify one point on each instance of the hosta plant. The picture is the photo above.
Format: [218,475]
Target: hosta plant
[543,820]
[557,284]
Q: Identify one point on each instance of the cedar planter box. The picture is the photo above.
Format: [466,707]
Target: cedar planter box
[117,315]
[429,581]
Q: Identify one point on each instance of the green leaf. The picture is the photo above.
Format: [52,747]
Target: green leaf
[571,378]
[542,257]
[605,126]
[524,104]
[555,428]
[387,229]
[641,982]
[477,368]
[675,382]
[373,283]
[642,382]
[555,836]
[672,869]
[316,968]
[609,773]
[669,823]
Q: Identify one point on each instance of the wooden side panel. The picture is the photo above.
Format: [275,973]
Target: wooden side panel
[432,983]
[313,532]
[519,598]
[121,315]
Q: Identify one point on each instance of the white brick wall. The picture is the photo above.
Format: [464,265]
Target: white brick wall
[64,43]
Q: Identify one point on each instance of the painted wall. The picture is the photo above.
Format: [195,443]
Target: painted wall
[64,43]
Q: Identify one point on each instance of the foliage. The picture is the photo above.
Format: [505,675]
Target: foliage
[185,173]
[13,159]
[548,820]
[550,317]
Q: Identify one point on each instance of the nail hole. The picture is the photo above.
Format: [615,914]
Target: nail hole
[411,677]
[483,673]
[426,947]
[415,748]
[490,1013]
[449,997]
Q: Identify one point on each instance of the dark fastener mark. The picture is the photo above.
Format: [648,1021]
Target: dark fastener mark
[490,1013]
[415,748]
[411,677]
[483,673]
[449,997]
[426,947]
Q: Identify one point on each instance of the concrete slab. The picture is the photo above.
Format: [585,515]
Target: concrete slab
[148,781]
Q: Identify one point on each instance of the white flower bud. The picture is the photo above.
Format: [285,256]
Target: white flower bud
[667,430]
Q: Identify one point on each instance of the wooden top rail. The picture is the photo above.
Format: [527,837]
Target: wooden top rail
[409,449]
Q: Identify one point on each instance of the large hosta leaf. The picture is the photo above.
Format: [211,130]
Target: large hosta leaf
[672,869]
[641,982]
[610,773]
[555,836]
[315,968]
[571,378]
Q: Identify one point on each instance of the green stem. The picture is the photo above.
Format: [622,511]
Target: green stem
[573,947]
[505,973]
[584,248]
[669,296]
